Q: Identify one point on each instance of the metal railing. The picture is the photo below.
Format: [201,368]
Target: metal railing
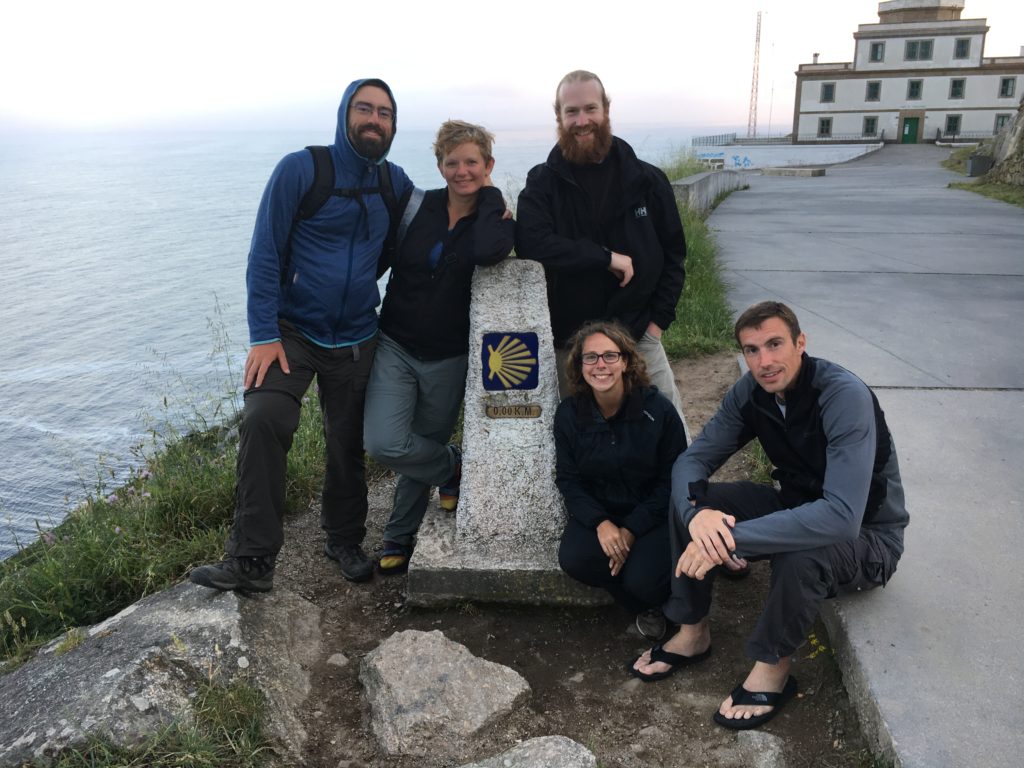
[840,138]
[941,135]
[781,138]
[717,140]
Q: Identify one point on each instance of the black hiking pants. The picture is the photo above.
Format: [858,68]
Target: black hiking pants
[643,581]
[269,422]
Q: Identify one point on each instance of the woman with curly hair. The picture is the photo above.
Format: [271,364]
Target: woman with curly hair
[616,439]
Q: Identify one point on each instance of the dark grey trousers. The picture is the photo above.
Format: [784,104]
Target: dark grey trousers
[269,421]
[800,580]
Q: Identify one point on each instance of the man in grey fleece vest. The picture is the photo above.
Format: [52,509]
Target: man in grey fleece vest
[834,523]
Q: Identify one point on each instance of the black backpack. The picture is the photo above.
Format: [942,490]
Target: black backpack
[401,212]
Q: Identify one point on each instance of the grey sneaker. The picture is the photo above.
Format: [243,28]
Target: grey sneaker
[354,564]
[247,574]
[652,624]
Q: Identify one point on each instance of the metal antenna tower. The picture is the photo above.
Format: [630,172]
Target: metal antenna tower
[752,118]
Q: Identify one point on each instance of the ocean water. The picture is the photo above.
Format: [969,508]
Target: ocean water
[123,258]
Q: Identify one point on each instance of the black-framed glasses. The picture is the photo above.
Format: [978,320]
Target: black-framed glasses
[363,109]
[591,358]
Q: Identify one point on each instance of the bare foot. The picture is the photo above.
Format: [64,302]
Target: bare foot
[690,640]
[763,678]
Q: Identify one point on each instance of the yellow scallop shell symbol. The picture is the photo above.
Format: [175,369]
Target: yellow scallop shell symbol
[511,361]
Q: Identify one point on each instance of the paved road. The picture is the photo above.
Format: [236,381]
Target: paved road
[919,289]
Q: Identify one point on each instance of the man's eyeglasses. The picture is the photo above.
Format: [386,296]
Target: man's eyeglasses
[591,358]
[363,109]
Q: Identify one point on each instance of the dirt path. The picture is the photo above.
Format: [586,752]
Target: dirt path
[574,659]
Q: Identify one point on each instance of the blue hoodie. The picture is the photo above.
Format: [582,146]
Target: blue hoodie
[330,291]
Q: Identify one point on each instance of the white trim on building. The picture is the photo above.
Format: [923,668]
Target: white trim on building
[920,74]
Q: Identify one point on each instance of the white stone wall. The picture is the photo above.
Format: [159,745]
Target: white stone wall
[783,155]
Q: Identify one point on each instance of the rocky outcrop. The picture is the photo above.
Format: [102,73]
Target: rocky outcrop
[430,696]
[542,752]
[137,671]
[1008,153]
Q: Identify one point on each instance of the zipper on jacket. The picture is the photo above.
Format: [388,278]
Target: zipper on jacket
[364,212]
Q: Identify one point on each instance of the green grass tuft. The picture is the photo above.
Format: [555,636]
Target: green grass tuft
[681,165]
[1008,193]
[957,160]
[224,731]
[703,322]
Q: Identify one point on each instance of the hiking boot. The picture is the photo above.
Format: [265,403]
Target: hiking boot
[448,492]
[246,574]
[353,562]
[394,559]
[652,624]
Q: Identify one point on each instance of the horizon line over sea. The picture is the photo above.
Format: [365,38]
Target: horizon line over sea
[124,253]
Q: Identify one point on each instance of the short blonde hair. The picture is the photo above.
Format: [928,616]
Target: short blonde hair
[452,133]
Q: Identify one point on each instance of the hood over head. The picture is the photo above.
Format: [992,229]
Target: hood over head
[341,133]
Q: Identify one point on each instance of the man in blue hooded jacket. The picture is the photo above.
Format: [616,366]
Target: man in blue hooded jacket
[312,294]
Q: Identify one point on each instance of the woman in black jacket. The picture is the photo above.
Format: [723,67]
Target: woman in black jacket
[419,372]
[616,440]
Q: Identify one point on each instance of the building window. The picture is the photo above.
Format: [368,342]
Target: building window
[1007,86]
[873,92]
[828,92]
[962,48]
[952,125]
[914,89]
[1001,122]
[918,50]
[824,127]
[871,126]
[877,52]
[957,86]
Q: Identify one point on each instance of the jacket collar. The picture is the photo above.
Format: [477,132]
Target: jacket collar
[587,411]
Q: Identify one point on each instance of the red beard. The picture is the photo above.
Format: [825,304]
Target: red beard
[593,151]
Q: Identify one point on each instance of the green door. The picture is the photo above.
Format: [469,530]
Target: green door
[909,130]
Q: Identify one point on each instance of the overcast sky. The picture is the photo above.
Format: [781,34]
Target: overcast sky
[201,63]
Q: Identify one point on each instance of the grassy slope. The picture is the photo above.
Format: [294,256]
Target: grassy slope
[1008,193]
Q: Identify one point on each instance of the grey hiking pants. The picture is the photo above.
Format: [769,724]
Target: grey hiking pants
[411,409]
[800,580]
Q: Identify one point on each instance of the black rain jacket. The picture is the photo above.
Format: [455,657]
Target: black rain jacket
[618,469]
[557,228]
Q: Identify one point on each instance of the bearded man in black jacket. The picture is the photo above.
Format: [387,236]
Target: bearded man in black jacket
[606,228]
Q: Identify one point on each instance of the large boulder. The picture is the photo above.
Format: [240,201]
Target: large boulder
[542,752]
[430,696]
[138,671]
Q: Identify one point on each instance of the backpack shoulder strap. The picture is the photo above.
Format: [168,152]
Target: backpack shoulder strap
[387,191]
[323,184]
[408,214]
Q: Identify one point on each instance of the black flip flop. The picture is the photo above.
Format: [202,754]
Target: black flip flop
[741,697]
[676,660]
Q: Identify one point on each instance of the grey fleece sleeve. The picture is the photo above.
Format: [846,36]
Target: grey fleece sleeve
[721,437]
[849,424]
